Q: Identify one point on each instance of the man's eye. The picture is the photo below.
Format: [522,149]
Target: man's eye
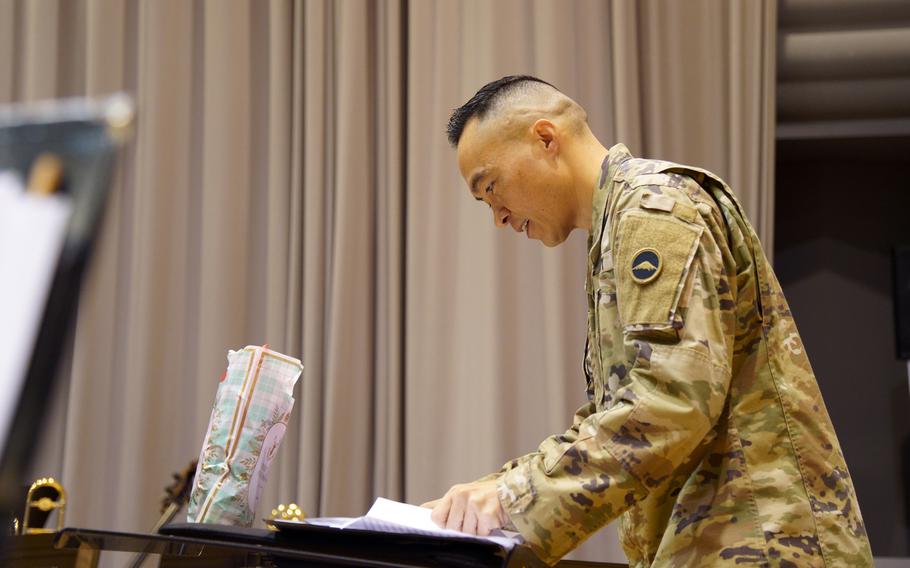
[490,187]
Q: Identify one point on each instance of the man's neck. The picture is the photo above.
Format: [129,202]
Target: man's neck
[586,163]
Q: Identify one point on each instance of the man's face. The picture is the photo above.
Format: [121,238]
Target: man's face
[521,177]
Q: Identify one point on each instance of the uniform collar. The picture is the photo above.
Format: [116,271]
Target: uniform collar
[608,172]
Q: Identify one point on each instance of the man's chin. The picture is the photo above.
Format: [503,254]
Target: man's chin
[551,241]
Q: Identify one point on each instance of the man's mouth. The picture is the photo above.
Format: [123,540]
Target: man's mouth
[524,226]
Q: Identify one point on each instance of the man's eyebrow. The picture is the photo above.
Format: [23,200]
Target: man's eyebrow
[474,179]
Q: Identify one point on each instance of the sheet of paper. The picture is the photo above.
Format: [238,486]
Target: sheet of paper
[400,518]
[32,231]
[403,514]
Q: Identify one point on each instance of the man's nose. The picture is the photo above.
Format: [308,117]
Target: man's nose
[501,216]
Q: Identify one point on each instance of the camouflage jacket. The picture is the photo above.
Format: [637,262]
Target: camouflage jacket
[705,430]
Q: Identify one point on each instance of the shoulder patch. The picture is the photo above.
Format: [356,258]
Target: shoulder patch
[645,266]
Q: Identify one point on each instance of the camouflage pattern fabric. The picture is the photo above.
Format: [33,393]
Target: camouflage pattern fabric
[705,431]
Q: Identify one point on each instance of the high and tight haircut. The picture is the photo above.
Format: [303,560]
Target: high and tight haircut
[484,100]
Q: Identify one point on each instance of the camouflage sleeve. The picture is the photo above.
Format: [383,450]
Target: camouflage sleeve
[670,334]
[569,436]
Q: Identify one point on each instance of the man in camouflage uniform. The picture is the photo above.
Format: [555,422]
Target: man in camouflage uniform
[705,431]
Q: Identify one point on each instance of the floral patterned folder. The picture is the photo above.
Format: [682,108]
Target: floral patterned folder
[248,421]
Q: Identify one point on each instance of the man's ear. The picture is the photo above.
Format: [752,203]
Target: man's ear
[545,136]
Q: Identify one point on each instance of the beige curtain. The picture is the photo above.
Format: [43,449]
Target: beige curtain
[290,183]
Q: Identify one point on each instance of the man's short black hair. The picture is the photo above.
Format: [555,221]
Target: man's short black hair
[482,101]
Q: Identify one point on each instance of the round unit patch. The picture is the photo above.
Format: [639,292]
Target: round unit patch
[646,265]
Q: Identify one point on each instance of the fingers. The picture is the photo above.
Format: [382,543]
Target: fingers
[440,512]
[489,520]
[485,524]
[469,508]
[457,510]
[469,524]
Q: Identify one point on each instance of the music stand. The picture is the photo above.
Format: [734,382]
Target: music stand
[84,135]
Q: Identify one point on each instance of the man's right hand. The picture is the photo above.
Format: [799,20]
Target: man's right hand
[471,508]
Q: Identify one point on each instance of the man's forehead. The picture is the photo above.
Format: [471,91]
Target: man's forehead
[473,149]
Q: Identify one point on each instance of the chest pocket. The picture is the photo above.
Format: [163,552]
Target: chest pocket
[653,254]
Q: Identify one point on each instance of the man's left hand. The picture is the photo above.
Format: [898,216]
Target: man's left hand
[472,508]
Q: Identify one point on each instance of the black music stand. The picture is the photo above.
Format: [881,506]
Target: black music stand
[84,136]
